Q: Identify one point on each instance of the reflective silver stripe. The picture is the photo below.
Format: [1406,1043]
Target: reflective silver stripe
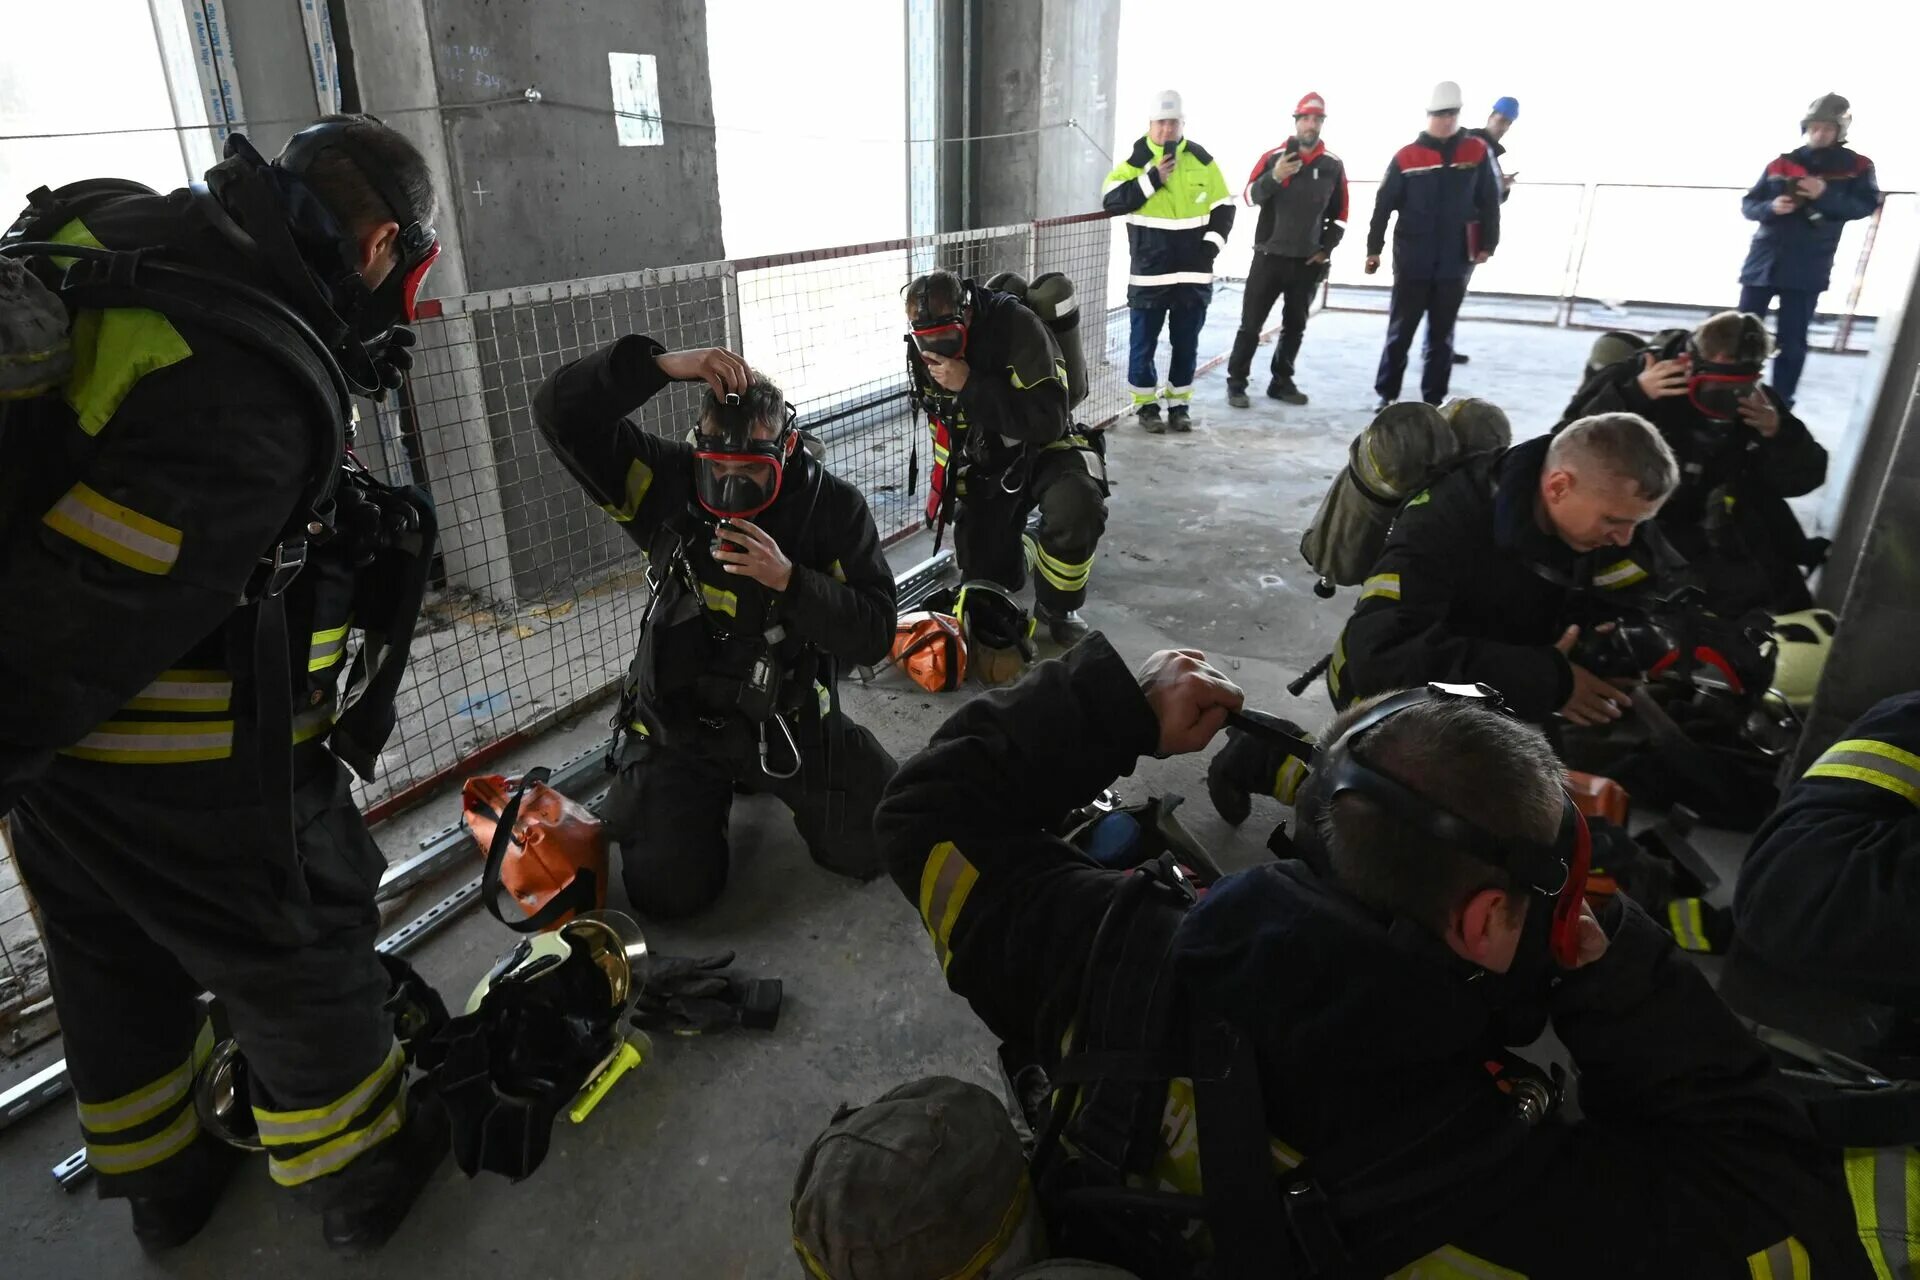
[1619,574]
[1686,924]
[131,1157]
[280,1128]
[1874,762]
[336,1155]
[134,742]
[1174,277]
[1168,224]
[311,724]
[148,1101]
[1146,186]
[1217,238]
[183,695]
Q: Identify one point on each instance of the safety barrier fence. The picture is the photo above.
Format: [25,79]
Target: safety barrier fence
[538,595]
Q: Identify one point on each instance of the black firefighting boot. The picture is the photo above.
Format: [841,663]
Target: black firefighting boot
[378,1189]
[1067,629]
[197,1178]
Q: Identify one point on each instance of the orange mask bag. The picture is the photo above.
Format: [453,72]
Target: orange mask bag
[547,851]
[930,649]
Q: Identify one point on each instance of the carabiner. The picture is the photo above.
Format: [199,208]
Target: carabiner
[793,747]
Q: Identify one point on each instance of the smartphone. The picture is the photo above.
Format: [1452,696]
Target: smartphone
[721,543]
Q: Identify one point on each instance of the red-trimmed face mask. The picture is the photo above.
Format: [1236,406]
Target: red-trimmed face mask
[413,274]
[736,474]
[941,336]
[1716,390]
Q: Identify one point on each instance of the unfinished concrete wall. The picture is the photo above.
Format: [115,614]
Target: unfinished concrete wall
[1042,65]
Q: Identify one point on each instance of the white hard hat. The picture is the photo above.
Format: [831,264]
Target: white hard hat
[1166,106]
[1446,97]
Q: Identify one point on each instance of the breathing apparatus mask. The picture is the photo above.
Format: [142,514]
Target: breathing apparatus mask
[1716,387]
[313,254]
[737,474]
[1555,875]
[939,329]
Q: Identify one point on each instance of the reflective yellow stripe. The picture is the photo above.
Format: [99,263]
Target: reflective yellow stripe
[826,699]
[639,480]
[945,882]
[336,1155]
[117,532]
[116,1115]
[139,742]
[721,601]
[113,350]
[1884,1185]
[1060,573]
[1059,375]
[1385,586]
[1687,926]
[1339,662]
[837,571]
[1877,763]
[1286,783]
[1784,1261]
[309,725]
[1449,1262]
[131,1157]
[184,691]
[328,647]
[285,1128]
[1621,573]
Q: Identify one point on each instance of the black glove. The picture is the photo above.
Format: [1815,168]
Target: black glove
[1248,764]
[692,997]
[393,358]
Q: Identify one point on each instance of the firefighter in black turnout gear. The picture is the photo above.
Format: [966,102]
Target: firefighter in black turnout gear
[1348,1010]
[768,581]
[1021,483]
[172,758]
[1742,454]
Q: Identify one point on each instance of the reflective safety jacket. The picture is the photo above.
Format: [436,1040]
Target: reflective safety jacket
[1175,228]
[1447,193]
[133,509]
[1699,1165]
[710,626]
[1470,589]
[1795,250]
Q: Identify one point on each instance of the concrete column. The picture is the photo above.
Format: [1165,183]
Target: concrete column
[1042,65]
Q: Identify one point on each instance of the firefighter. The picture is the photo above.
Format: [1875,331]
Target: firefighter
[1826,900]
[1485,572]
[1742,454]
[1361,997]
[768,582]
[160,747]
[1027,488]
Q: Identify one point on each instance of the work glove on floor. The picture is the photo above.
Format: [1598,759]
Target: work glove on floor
[1247,766]
[691,997]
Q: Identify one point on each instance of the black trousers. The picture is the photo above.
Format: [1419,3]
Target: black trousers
[1436,301]
[668,813]
[146,904]
[1293,281]
[993,538]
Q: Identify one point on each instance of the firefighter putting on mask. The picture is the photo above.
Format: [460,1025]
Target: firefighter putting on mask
[997,370]
[172,758]
[767,581]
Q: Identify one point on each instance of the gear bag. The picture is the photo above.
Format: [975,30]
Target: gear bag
[545,849]
[931,650]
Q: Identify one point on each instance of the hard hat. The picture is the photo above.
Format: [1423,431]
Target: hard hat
[1310,105]
[1806,640]
[999,632]
[1446,97]
[1508,107]
[1829,108]
[1167,106]
[609,940]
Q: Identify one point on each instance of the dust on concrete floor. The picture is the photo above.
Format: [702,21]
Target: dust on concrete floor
[686,1169]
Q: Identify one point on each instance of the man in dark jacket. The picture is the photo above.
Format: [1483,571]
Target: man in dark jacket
[1301,188]
[1491,575]
[1505,112]
[768,581]
[154,698]
[1826,903]
[1443,186]
[1179,214]
[994,386]
[1376,985]
[1802,202]
[1742,455]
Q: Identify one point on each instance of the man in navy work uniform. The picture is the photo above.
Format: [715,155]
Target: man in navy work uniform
[1801,203]
[1445,189]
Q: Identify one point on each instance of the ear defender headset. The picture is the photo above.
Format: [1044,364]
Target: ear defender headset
[1557,871]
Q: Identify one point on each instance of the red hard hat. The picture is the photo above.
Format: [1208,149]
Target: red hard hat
[1311,105]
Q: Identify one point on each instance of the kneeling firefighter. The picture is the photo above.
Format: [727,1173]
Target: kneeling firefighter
[767,581]
[181,494]
[1308,1059]
[997,369]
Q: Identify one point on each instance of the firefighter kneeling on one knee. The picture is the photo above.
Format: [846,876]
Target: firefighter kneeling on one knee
[767,580]
[1021,483]
[204,549]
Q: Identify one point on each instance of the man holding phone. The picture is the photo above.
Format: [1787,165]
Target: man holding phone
[1493,132]
[1801,203]
[1300,188]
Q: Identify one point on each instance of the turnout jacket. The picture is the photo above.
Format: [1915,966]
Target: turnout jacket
[1795,250]
[134,506]
[1699,1164]
[1712,455]
[1016,391]
[709,625]
[1439,188]
[1176,228]
[1469,589]
[1304,214]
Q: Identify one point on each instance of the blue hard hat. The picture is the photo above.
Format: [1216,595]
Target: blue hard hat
[1508,107]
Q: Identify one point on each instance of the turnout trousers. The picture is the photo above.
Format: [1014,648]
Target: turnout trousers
[145,903]
[1053,523]
[669,806]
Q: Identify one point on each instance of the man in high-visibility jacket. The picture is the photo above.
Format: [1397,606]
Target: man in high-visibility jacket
[137,504]
[1179,213]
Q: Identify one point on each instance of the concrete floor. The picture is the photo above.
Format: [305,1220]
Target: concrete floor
[686,1169]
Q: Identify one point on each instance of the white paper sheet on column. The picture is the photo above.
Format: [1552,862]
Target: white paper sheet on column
[636,99]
